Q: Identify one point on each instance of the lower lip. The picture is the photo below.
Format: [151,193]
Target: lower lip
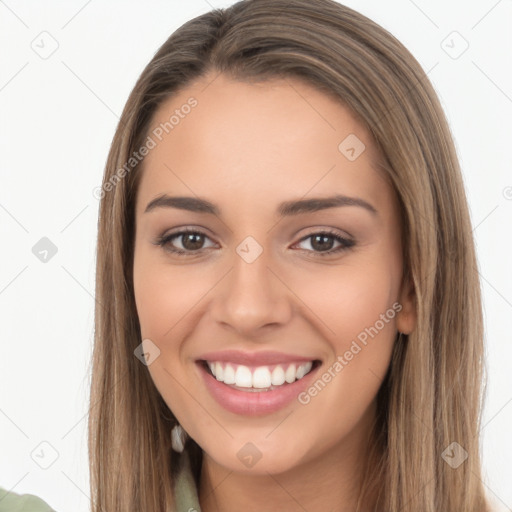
[255,403]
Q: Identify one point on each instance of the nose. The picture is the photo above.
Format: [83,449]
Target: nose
[252,298]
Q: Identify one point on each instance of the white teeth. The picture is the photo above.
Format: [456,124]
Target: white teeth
[277,376]
[301,371]
[219,371]
[307,368]
[229,374]
[261,378]
[243,377]
[289,375]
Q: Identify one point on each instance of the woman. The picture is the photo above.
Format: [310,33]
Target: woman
[288,309]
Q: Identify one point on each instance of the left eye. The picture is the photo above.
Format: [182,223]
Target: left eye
[192,241]
[319,241]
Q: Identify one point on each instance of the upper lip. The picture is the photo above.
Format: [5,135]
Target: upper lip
[253,358]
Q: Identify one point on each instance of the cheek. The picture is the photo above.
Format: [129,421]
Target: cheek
[348,299]
[357,313]
[165,298]
[170,301]
[165,294]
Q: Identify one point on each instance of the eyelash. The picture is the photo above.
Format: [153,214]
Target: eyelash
[164,240]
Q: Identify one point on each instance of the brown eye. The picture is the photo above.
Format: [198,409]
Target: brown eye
[191,242]
[322,243]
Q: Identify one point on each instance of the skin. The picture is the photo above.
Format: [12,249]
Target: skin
[246,148]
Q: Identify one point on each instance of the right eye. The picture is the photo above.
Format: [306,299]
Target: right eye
[191,241]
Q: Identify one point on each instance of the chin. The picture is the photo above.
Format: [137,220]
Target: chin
[251,460]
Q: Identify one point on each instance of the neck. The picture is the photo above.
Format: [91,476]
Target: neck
[331,481]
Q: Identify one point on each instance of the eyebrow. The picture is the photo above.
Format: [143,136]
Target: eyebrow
[287,208]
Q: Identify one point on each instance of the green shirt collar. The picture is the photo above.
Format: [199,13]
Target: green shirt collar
[185,490]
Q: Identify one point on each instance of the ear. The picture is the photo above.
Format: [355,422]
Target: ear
[407,317]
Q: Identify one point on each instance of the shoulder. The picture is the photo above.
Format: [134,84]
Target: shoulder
[12,502]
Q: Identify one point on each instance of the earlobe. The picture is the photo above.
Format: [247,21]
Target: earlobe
[407,317]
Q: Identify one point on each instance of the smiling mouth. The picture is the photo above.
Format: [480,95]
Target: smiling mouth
[258,378]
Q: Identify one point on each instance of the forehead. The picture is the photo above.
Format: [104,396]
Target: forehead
[270,141]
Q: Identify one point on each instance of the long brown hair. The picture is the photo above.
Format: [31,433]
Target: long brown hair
[432,395]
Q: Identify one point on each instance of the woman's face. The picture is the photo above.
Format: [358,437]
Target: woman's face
[275,280]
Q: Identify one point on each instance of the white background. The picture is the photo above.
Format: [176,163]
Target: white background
[58,116]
